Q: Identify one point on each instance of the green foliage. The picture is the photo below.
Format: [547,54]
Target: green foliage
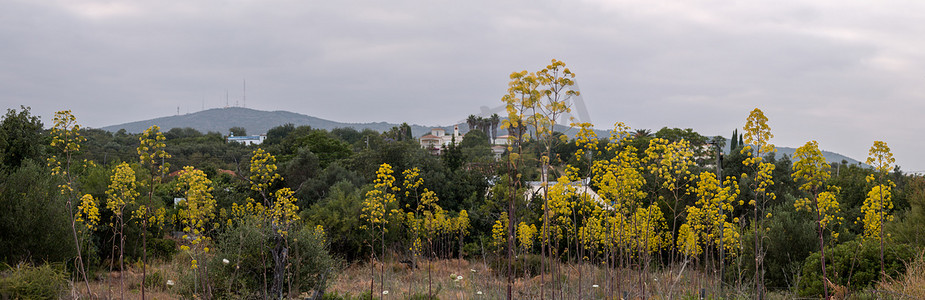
[400,133]
[312,265]
[245,248]
[20,137]
[854,265]
[155,280]
[790,238]
[25,281]
[734,141]
[339,213]
[476,146]
[910,225]
[237,131]
[33,217]
[677,134]
[162,248]
[276,134]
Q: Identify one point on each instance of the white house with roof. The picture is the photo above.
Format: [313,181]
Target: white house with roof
[438,138]
[247,139]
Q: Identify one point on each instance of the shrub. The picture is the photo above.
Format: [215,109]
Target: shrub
[852,264]
[155,280]
[25,281]
[162,248]
[33,218]
[249,262]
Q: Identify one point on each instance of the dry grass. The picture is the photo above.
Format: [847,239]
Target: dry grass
[479,282]
[910,285]
[107,284]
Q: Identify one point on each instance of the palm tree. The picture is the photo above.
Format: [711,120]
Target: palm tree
[643,133]
[495,120]
[485,125]
[472,121]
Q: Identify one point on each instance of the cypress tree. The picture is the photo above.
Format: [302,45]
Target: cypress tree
[734,141]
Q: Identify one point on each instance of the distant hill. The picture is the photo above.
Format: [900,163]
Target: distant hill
[830,157]
[259,122]
[254,121]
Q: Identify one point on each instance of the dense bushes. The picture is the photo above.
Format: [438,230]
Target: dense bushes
[33,217]
[24,281]
[853,264]
[242,266]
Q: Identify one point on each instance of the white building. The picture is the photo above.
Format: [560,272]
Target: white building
[438,138]
[501,140]
[247,139]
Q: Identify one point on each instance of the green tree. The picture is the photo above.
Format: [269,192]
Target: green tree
[734,141]
[32,203]
[20,137]
[237,131]
[276,134]
[475,147]
[339,212]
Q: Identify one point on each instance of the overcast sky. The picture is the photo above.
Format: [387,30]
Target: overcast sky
[844,73]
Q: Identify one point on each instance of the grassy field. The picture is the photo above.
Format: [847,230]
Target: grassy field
[464,279]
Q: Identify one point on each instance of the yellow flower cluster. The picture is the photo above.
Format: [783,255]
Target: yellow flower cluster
[151,149]
[526,235]
[284,211]
[670,162]
[707,218]
[812,170]
[88,213]
[757,133]
[688,240]
[263,170]
[876,205]
[122,189]
[499,231]
[199,207]
[377,199]
[66,138]
[649,229]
